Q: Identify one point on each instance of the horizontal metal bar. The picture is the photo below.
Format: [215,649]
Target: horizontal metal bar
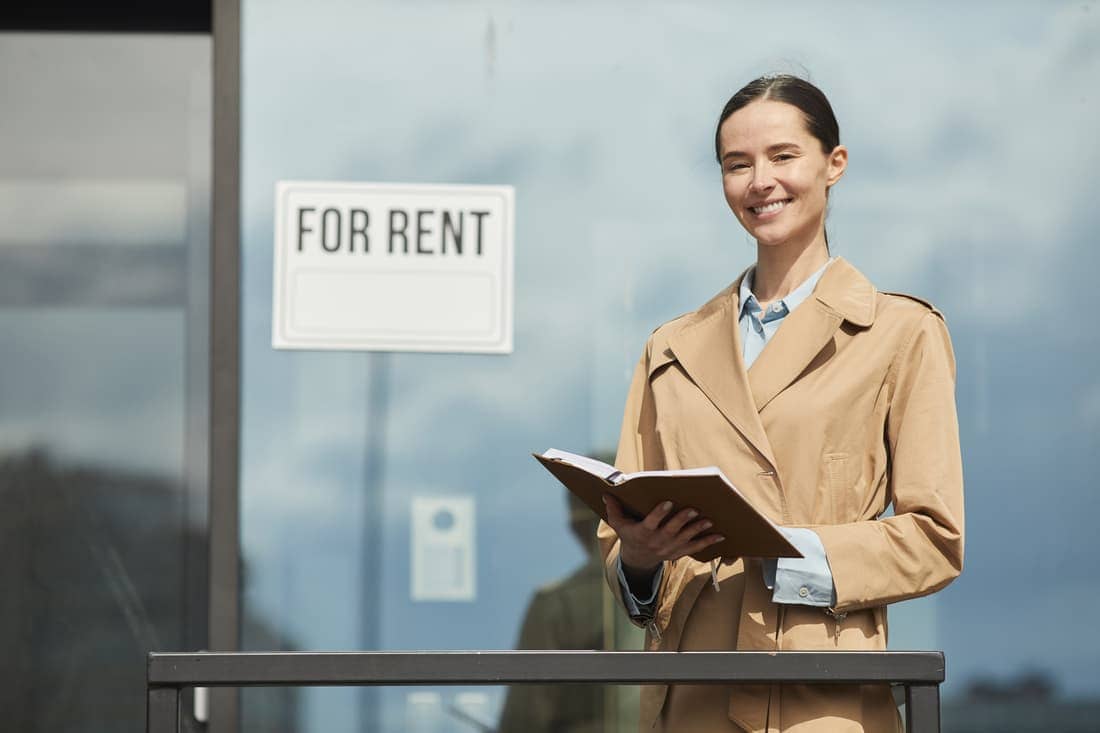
[240,669]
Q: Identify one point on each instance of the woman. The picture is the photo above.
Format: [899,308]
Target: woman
[849,408]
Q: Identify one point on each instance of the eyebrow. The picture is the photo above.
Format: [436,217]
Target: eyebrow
[770,149]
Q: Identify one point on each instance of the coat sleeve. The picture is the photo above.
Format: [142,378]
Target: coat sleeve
[637,452]
[920,549]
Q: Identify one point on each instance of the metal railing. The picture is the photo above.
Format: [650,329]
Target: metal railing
[168,674]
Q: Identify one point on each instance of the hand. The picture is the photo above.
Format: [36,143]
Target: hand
[647,543]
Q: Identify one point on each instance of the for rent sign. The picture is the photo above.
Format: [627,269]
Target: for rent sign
[393,267]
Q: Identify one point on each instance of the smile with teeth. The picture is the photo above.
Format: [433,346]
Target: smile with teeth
[769,208]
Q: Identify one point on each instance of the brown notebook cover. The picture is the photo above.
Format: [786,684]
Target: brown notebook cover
[748,533]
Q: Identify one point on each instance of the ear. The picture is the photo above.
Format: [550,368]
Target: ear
[838,163]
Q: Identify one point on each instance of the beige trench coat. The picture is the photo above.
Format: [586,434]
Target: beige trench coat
[848,409]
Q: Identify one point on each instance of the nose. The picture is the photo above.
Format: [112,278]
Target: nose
[762,180]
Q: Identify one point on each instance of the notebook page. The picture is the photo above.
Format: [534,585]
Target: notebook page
[598,468]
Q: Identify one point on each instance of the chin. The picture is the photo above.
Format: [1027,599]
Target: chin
[764,239]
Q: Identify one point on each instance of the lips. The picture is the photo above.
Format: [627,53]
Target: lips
[772,207]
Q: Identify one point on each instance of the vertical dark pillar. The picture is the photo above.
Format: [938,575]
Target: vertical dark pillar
[378,388]
[225,357]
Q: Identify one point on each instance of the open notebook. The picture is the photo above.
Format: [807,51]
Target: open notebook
[748,533]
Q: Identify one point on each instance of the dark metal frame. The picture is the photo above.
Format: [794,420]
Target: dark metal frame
[224,619]
[168,674]
[110,16]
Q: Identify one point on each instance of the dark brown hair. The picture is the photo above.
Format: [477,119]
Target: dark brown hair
[815,107]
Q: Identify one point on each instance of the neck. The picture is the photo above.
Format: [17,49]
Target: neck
[781,269]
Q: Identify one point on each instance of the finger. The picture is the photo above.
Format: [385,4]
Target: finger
[653,520]
[678,520]
[693,530]
[615,516]
[701,544]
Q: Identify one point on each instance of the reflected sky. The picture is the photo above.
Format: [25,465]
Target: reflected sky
[104,181]
[104,144]
[971,183]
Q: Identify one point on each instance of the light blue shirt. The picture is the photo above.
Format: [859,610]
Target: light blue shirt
[806,580]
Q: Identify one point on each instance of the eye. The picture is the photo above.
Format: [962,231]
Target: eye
[784,157]
[734,167]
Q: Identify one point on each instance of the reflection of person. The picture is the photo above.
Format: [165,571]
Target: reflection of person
[566,614]
[824,400]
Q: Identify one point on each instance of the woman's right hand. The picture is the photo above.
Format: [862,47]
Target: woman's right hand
[647,543]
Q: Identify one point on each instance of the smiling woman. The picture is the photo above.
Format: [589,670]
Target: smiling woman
[776,176]
[826,402]
[769,154]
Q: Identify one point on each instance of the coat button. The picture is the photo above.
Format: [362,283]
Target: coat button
[803,591]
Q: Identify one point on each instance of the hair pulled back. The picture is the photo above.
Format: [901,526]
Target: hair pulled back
[811,101]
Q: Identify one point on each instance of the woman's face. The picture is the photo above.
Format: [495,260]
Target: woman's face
[775,174]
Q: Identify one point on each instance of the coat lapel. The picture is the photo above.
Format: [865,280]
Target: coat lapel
[709,349]
[842,294]
[803,334]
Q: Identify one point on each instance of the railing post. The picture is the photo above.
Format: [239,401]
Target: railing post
[922,708]
[162,711]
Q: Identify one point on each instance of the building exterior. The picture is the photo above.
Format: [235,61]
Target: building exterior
[171,481]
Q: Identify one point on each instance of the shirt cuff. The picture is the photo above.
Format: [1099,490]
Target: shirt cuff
[637,607]
[806,580]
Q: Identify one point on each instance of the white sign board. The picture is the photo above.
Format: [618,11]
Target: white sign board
[393,267]
[443,552]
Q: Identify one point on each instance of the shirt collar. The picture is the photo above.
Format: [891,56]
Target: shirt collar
[791,301]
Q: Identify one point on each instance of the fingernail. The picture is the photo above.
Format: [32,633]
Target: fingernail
[720,539]
[604,497]
[692,514]
[707,524]
[667,505]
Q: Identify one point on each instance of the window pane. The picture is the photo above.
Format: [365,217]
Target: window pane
[971,132]
[104,199]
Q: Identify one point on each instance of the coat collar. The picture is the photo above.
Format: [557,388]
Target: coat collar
[847,291]
[708,345]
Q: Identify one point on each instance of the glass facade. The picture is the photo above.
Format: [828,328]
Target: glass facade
[105,205]
[971,184]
